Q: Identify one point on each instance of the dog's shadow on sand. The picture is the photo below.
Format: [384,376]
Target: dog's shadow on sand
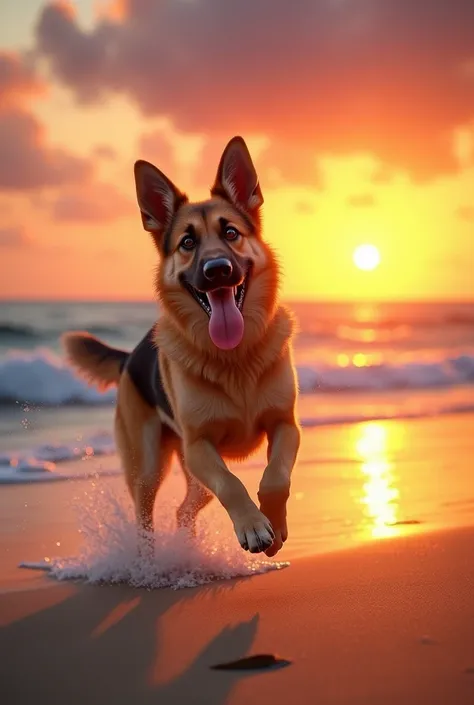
[102,645]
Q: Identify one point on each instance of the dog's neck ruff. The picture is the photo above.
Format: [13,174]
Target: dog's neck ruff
[250,363]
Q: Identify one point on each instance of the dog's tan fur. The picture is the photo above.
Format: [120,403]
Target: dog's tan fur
[225,402]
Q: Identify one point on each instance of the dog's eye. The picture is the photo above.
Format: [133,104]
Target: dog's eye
[188,242]
[231,233]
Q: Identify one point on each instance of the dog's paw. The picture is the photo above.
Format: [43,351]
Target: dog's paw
[273,506]
[254,531]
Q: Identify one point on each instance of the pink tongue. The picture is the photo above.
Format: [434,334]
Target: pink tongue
[226,326]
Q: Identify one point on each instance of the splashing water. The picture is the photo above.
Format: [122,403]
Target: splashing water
[109,552]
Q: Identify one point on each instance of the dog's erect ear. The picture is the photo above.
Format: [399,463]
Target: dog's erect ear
[158,198]
[236,179]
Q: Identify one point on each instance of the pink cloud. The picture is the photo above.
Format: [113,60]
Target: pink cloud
[97,203]
[18,79]
[156,147]
[28,162]
[13,237]
[385,77]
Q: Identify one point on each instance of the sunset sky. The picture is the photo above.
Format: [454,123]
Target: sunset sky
[359,115]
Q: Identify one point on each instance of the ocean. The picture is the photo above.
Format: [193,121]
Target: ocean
[355,362]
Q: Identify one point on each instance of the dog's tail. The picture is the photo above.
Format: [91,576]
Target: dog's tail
[96,362]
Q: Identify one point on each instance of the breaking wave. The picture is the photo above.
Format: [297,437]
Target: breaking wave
[42,377]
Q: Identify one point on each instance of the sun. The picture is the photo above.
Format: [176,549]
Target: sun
[366,257]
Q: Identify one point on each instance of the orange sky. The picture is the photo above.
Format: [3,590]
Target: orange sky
[369,140]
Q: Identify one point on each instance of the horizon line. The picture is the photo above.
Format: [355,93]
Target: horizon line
[289,300]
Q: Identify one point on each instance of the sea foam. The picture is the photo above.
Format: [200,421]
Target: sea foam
[109,551]
[43,377]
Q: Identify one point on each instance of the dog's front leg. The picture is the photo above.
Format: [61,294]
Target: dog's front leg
[253,529]
[274,489]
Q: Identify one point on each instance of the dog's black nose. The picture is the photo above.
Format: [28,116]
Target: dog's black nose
[220,268]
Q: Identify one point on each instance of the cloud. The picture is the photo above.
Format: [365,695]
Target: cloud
[391,77]
[156,147]
[28,162]
[361,200]
[14,237]
[18,79]
[99,203]
[466,213]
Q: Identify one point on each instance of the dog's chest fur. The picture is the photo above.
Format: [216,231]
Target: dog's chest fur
[237,424]
[236,405]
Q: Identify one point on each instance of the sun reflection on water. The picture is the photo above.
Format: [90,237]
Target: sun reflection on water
[380,495]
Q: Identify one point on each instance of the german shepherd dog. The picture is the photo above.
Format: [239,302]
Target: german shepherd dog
[214,377]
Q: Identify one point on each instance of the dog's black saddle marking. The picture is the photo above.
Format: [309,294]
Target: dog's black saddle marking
[143,367]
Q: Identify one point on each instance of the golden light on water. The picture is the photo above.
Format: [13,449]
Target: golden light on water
[359,360]
[380,495]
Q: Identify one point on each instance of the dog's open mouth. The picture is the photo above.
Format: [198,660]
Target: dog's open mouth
[203,299]
[224,308]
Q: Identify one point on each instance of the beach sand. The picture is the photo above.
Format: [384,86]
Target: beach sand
[377,615]
[390,622]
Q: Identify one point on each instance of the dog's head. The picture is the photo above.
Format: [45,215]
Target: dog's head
[216,277]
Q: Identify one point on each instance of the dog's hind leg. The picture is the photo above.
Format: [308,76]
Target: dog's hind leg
[197,497]
[158,448]
[156,462]
[146,448]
